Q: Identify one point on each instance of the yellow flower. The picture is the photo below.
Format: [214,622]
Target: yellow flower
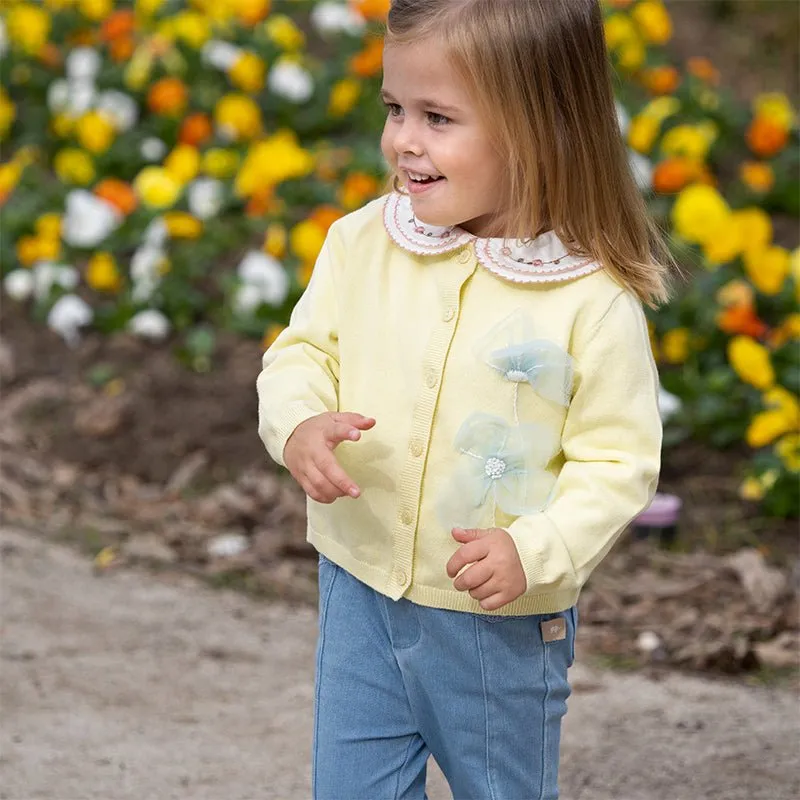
[675,345]
[157,187]
[660,108]
[95,10]
[10,174]
[273,331]
[191,27]
[344,95]
[248,72]
[750,361]
[275,240]
[284,33]
[642,133]
[238,117]
[691,141]
[27,250]
[724,243]
[182,225]
[49,248]
[653,20]
[755,227]
[699,210]
[183,163]
[271,161]
[220,163]
[765,427]
[147,8]
[767,268]
[306,240]
[74,166]
[102,273]
[755,487]
[788,450]
[735,293]
[28,26]
[778,398]
[775,107]
[62,125]
[618,30]
[8,112]
[58,5]
[95,132]
[788,329]
[49,226]
[632,55]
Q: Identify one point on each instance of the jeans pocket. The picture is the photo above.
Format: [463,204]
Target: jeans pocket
[573,614]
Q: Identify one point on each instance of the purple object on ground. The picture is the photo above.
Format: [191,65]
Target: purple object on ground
[661,513]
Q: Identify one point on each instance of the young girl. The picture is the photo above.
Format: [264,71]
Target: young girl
[466,394]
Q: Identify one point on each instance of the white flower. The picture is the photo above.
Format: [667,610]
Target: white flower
[248,298]
[82,63]
[58,96]
[153,149]
[221,55]
[82,94]
[205,197]
[120,108]
[291,81]
[227,545]
[19,284]
[46,274]
[642,169]
[149,324]
[668,404]
[331,17]
[267,274]
[156,233]
[68,314]
[146,271]
[89,219]
[623,119]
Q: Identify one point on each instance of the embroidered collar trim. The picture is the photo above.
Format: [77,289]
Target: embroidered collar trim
[541,260]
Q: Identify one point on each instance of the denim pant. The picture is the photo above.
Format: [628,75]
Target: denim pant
[397,682]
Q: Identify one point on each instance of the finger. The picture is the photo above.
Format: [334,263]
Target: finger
[356,420]
[488,589]
[340,432]
[493,602]
[473,576]
[320,488]
[467,554]
[329,467]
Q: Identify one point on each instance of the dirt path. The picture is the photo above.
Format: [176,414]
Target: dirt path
[133,686]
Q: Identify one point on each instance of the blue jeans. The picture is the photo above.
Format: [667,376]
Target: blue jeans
[397,682]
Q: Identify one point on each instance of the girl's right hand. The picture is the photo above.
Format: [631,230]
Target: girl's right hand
[308,454]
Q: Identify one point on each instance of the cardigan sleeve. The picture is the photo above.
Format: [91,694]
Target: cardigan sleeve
[611,443]
[300,371]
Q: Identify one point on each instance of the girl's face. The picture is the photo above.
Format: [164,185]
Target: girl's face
[433,130]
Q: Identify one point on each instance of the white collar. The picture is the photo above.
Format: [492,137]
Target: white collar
[541,260]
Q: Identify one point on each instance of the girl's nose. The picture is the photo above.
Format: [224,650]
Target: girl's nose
[407,141]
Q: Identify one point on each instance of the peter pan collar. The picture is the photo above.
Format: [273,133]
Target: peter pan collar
[541,260]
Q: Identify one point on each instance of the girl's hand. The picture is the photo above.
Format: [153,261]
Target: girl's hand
[308,454]
[496,576]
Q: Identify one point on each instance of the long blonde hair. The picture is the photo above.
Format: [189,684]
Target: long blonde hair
[540,76]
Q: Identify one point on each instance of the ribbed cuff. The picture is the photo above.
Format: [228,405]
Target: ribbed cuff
[275,429]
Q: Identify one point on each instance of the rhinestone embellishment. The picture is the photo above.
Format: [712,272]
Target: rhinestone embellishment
[495,467]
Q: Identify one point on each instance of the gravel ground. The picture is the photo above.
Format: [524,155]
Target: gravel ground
[139,685]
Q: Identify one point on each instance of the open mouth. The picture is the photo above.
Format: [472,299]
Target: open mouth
[423,179]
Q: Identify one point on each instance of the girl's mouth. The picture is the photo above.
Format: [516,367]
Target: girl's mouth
[419,183]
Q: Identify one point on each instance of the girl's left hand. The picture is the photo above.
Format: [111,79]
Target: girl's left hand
[496,576]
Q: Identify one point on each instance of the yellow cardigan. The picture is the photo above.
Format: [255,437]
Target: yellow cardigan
[512,386]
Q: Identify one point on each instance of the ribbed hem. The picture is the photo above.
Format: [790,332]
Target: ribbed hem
[438,597]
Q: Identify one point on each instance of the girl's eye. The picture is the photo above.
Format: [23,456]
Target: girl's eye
[435,119]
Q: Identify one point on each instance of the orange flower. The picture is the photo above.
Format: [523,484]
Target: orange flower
[325,216]
[672,174]
[252,12]
[120,24]
[765,138]
[195,129]
[741,319]
[370,60]
[703,69]
[271,334]
[260,203]
[81,38]
[168,96]
[757,175]
[121,49]
[357,187]
[49,55]
[371,9]
[118,193]
[661,80]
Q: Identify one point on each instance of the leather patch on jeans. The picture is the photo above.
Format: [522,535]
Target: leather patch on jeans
[554,630]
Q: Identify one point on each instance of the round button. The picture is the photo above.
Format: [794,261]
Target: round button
[400,576]
[449,314]
[407,517]
[416,448]
[430,380]
[464,256]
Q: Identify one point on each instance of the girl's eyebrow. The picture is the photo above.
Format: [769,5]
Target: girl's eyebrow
[422,102]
